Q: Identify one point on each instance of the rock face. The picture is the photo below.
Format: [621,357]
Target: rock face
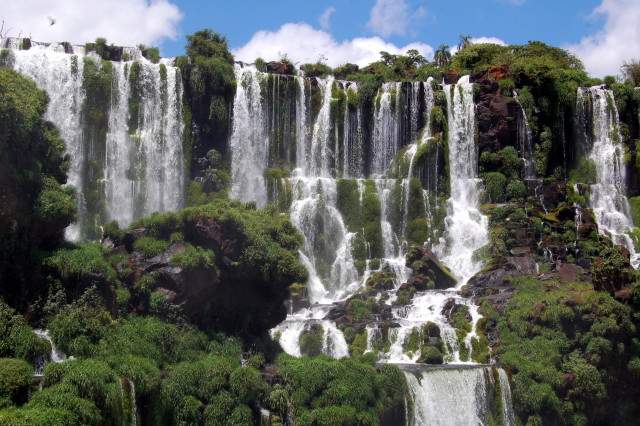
[281,67]
[194,290]
[495,113]
[428,272]
[224,266]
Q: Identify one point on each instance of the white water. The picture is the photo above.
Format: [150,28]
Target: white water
[51,70]
[249,140]
[386,130]
[607,196]
[55,356]
[455,396]
[466,228]
[144,168]
[525,141]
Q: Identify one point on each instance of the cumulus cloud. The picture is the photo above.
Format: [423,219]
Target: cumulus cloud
[389,17]
[122,22]
[325,18]
[618,41]
[481,40]
[303,44]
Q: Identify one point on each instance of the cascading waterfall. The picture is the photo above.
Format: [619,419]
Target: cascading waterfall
[466,228]
[599,124]
[134,166]
[249,140]
[55,356]
[329,153]
[53,72]
[458,396]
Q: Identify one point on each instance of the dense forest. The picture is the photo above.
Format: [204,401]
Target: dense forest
[199,241]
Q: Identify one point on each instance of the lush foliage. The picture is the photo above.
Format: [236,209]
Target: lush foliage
[572,353]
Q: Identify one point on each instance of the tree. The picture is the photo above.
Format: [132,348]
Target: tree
[442,55]
[465,41]
[416,57]
[631,72]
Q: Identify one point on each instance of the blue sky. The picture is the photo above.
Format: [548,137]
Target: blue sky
[603,33]
[557,22]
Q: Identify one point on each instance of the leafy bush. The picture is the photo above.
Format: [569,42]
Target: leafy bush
[15,379]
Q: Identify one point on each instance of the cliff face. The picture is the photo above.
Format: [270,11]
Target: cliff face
[386,218]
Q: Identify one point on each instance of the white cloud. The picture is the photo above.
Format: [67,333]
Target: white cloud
[492,40]
[481,40]
[619,40]
[325,18]
[389,17]
[303,44]
[122,22]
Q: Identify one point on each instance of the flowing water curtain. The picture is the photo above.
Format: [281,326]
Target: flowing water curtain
[122,168]
[249,141]
[599,125]
[466,228]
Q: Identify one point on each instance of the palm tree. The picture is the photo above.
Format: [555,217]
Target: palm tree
[442,56]
[465,40]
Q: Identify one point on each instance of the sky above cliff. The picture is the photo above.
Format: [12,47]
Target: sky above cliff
[603,33]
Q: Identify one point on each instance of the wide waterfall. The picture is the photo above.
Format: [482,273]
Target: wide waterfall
[122,125]
[459,396]
[300,144]
[599,126]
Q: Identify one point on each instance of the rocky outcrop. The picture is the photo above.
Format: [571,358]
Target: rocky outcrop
[495,113]
[428,272]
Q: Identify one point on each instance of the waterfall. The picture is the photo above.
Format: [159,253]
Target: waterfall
[130,165]
[525,141]
[600,127]
[329,157]
[249,140]
[457,396]
[52,72]
[386,128]
[321,154]
[466,228]
[508,415]
[55,356]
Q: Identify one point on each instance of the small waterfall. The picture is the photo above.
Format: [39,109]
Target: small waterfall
[466,227]
[249,141]
[600,127]
[132,163]
[508,416]
[55,356]
[457,396]
[525,141]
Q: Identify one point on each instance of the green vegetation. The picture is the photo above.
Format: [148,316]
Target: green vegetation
[570,351]
[35,207]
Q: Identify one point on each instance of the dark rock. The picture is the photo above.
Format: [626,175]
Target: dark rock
[428,272]
[496,114]
[281,67]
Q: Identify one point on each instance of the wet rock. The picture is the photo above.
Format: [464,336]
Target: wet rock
[428,272]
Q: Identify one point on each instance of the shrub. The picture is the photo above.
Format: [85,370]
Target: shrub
[150,247]
[15,379]
[495,183]
[516,189]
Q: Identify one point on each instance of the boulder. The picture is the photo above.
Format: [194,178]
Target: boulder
[428,272]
